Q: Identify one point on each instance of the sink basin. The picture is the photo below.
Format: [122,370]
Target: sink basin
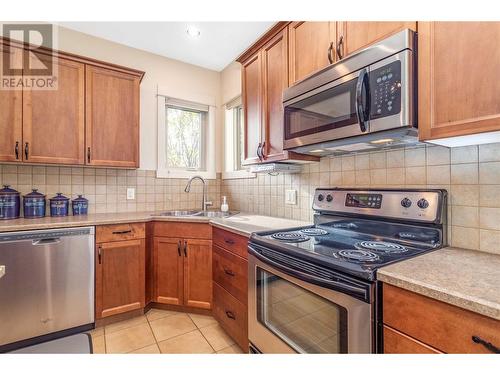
[179,213]
[216,213]
[189,213]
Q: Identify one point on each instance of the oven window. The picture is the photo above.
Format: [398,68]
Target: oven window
[305,321]
[329,109]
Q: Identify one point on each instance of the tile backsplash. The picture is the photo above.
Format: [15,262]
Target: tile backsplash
[471,175]
[106,189]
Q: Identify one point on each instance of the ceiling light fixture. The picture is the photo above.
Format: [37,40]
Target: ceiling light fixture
[318,150]
[385,140]
[193,31]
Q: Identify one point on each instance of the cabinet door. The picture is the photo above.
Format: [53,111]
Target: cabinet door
[312,47]
[198,273]
[252,107]
[10,114]
[457,85]
[169,265]
[357,35]
[275,80]
[112,118]
[120,279]
[53,120]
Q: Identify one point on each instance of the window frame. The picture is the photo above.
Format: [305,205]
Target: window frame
[207,156]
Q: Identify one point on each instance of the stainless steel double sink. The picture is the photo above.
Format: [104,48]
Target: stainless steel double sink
[197,213]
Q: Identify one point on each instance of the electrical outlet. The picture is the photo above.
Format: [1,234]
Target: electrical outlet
[291,196]
[130,193]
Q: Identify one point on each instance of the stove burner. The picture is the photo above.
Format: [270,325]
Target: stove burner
[290,237]
[314,231]
[345,225]
[384,247]
[359,255]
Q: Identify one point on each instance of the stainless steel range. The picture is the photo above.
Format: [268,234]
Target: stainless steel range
[314,289]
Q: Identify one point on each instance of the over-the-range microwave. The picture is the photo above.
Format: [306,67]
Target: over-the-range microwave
[365,101]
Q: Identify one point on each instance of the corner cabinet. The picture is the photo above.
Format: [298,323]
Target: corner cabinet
[92,118]
[457,70]
[112,118]
[264,77]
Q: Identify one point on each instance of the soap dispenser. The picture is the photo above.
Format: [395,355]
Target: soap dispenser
[224,207]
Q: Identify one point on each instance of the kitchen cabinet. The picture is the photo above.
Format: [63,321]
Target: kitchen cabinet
[112,118]
[120,269]
[230,284]
[264,77]
[415,323]
[10,115]
[457,66]
[53,120]
[312,47]
[353,36]
[183,266]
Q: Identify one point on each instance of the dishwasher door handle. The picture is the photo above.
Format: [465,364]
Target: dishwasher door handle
[46,241]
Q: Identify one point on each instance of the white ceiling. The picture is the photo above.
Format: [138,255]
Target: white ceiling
[218,44]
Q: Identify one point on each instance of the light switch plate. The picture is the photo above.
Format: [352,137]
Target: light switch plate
[291,196]
[2,271]
[130,193]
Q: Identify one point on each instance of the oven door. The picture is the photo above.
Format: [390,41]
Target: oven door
[290,315]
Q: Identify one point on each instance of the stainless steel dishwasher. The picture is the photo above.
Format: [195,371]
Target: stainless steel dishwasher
[47,286]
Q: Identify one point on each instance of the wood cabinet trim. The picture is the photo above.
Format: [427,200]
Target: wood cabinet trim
[396,342]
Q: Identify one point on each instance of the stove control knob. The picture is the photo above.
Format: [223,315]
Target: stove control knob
[423,203]
[321,197]
[329,198]
[406,202]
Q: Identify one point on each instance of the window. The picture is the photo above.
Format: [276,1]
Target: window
[234,141]
[186,136]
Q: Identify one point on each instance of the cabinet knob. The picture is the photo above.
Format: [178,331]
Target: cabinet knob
[340,47]
[488,345]
[229,272]
[230,315]
[16,149]
[26,150]
[329,53]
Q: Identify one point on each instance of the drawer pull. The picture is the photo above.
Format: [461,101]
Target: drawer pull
[228,272]
[99,255]
[179,248]
[123,231]
[229,241]
[230,315]
[488,345]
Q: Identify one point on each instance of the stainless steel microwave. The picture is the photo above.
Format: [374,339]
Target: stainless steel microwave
[364,101]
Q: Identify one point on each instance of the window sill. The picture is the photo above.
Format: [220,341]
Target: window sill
[208,175]
[233,175]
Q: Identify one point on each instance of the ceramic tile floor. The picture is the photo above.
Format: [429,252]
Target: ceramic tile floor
[163,331]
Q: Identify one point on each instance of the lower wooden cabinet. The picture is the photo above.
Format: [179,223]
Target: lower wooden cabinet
[183,272]
[416,324]
[120,281]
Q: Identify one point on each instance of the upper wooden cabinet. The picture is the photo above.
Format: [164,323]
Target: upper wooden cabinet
[457,85]
[91,118]
[11,126]
[353,36]
[112,118]
[312,47]
[53,120]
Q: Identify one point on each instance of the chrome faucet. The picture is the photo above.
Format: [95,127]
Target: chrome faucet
[205,202]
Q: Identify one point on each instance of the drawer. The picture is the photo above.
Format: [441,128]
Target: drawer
[232,242]
[231,272]
[182,230]
[445,327]
[398,343]
[232,316]
[120,232]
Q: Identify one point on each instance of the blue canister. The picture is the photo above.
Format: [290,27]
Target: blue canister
[34,205]
[80,205]
[59,205]
[10,203]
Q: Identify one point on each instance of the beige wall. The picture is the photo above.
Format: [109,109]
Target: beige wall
[230,82]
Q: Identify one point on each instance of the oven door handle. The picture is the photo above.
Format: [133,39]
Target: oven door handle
[363,109]
[335,285]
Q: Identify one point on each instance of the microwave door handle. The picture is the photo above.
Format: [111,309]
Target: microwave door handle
[363,109]
[335,285]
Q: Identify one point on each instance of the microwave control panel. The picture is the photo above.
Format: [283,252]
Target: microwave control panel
[385,87]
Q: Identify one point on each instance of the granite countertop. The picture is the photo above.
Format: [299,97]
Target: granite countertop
[465,278]
[242,223]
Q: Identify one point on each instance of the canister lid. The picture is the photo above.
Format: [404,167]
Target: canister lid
[80,199]
[8,191]
[59,197]
[34,194]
